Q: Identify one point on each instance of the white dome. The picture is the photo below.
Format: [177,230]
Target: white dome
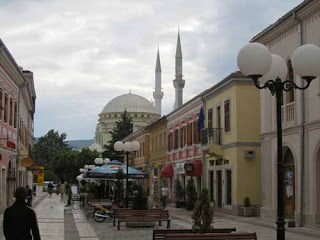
[129,102]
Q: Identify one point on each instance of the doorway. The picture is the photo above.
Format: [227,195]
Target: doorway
[211,189]
[288,184]
[318,189]
[219,188]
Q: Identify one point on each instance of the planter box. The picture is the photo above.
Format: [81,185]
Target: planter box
[247,211]
[140,224]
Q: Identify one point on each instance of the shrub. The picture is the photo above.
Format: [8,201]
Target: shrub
[140,201]
[203,213]
[191,195]
[246,202]
[179,194]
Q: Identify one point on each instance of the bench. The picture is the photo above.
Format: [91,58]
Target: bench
[149,215]
[211,236]
[116,215]
[159,234]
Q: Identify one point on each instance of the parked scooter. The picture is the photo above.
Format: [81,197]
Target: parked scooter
[102,212]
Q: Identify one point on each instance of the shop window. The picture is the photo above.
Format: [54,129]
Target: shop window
[228,187]
[227,116]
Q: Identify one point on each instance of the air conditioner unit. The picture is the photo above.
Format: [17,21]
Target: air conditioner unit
[250,154]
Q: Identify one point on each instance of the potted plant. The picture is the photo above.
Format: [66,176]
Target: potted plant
[203,213]
[247,209]
[179,194]
[191,195]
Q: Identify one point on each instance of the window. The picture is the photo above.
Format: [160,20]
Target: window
[290,77]
[5,115]
[170,141]
[1,105]
[15,115]
[160,140]
[228,187]
[189,134]
[11,112]
[156,142]
[184,130]
[196,134]
[227,116]
[176,139]
[210,118]
[181,138]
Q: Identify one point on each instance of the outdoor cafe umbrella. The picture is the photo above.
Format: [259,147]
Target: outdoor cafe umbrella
[109,171]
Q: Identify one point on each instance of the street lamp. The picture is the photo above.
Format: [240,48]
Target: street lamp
[82,170]
[127,147]
[98,161]
[86,167]
[255,61]
[106,160]
[91,167]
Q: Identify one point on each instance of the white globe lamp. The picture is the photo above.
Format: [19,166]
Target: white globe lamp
[118,146]
[86,167]
[254,59]
[306,61]
[98,161]
[106,160]
[278,69]
[127,147]
[135,146]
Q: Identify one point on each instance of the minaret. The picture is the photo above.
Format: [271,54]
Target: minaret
[178,83]
[158,94]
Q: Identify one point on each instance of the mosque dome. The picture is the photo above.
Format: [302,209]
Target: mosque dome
[129,102]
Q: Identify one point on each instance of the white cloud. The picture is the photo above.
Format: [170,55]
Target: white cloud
[84,53]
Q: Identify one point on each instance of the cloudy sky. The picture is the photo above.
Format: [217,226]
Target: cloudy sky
[84,53]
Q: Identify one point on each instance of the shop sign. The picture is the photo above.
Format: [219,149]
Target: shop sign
[40,176]
[180,168]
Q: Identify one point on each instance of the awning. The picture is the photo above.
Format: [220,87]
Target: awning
[167,171]
[197,170]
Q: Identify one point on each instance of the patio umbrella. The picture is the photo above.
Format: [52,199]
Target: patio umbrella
[109,171]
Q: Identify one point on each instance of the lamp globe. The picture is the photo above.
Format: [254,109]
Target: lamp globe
[278,69]
[306,61]
[127,146]
[135,146]
[118,146]
[254,59]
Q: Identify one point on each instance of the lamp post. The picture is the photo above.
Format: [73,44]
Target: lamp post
[127,147]
[98,161]
[255,61]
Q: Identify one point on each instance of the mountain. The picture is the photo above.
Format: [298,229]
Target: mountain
[77,145]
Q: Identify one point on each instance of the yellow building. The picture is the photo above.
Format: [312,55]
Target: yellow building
[231,143]
[140,159]
[158,150]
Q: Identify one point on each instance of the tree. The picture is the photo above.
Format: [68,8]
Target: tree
[191,195]
[203,213]
[123,128]
[179,193]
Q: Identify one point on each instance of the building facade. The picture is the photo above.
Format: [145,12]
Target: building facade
[300,121]
[158,151]
[183,145]
[17,99]
[231,143]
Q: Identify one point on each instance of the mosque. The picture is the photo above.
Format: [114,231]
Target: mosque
[141,110]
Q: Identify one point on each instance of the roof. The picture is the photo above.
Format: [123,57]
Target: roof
[129,102]
[281,20]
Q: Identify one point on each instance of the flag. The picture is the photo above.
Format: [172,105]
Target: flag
[201,120]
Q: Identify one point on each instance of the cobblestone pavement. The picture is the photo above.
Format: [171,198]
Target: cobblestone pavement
[58,222]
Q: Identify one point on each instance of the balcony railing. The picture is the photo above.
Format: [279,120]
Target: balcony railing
[211,136]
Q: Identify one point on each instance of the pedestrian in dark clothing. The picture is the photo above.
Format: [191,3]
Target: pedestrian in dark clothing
[20,221]
[50,188]
[68,193]
[29,196]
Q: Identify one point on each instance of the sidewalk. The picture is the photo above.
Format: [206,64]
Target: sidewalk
[265,229]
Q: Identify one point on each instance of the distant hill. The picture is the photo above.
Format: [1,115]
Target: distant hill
[77,145]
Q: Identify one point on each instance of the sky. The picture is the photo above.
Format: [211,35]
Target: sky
[84,53]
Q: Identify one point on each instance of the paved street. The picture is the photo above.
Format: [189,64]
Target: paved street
[58,222]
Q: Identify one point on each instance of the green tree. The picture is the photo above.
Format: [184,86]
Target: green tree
[203,213]
[123,128]
[191,195]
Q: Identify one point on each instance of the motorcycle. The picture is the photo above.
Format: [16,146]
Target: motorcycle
[102,212]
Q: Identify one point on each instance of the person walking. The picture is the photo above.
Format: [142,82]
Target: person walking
[58,188]
[50,188]
[19,220]
[68,193]
[62,192]
[29,196]
[164,195]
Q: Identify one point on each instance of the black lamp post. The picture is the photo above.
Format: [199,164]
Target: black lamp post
[127,147]
[255,61]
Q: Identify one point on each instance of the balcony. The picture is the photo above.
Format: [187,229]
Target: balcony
[211,136]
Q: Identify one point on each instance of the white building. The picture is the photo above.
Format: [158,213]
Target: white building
[301,123]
